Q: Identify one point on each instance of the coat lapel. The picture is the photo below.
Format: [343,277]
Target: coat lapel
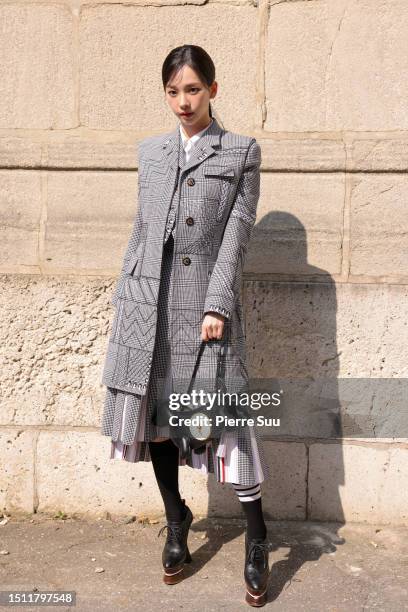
[206,146]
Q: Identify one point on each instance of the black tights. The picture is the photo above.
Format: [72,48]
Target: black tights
[165,460]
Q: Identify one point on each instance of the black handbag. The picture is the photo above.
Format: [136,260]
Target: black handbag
[195,437]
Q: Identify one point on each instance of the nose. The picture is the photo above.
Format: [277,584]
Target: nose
[183,101]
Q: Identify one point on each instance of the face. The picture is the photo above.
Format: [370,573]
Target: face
[188,98]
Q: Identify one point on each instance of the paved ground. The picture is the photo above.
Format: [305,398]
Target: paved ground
[315,566]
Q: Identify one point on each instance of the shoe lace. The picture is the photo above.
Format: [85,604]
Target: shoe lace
[174,531]
[257,551]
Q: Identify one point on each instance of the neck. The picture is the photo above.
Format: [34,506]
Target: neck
[190,131]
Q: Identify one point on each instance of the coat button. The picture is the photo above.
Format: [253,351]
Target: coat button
[186,261]
[190,221]
[190,181]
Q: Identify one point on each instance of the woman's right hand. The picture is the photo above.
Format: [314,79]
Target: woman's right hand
[213,326]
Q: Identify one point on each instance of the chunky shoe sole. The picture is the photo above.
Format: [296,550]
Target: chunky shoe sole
[256,598]
[173,575]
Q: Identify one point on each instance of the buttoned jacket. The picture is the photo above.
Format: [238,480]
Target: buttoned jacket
[218,192]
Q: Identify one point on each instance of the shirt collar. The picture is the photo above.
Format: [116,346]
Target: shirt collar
[194,138]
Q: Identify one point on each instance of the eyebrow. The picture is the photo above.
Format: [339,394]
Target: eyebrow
[188,85]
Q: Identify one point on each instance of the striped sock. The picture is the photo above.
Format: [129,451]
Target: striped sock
[247,494]
[251,504]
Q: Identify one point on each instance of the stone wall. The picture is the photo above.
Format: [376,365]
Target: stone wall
[322,86]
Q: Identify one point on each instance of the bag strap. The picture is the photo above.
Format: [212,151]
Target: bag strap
[200,352]
[221,361]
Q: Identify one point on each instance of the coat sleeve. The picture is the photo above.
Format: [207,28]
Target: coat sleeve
[132,244]
[225,281]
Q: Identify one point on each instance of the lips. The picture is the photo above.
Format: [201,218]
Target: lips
[185,114]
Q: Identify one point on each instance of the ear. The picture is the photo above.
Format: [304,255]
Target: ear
[213,90]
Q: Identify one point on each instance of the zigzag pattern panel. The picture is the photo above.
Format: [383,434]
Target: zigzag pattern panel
[137,325]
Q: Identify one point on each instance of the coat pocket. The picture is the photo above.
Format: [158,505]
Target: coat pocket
[218,180]
[219,171]
[132,263]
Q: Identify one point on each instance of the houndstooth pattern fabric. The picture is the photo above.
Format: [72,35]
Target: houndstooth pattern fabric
[113,422]
[217,192]
[184,156]
[124,429]
[171,217]
[122,425]
[123,410]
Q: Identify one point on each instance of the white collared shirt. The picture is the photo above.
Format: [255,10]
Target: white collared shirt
[189,143]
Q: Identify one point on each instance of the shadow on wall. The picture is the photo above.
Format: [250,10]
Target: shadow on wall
[291,336]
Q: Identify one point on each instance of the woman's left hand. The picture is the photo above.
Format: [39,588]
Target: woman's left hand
[213,326]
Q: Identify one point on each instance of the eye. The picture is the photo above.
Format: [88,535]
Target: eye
[195,89]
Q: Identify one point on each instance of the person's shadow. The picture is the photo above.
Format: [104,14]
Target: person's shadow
[290,328]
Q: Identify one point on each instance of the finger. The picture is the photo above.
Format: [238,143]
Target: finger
[204,335]
[216,331]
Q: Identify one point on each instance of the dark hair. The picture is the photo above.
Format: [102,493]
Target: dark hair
[195,57]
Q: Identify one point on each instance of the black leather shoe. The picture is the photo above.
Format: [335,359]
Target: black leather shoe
[256,571]
[175,551]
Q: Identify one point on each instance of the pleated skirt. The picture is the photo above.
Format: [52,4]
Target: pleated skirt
[129,418]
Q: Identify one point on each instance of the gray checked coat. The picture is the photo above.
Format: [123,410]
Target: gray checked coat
[218,191]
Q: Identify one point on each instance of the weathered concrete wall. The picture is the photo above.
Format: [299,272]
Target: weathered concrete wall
[322,87]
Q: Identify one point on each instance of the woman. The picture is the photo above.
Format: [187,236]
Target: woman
[179,289]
